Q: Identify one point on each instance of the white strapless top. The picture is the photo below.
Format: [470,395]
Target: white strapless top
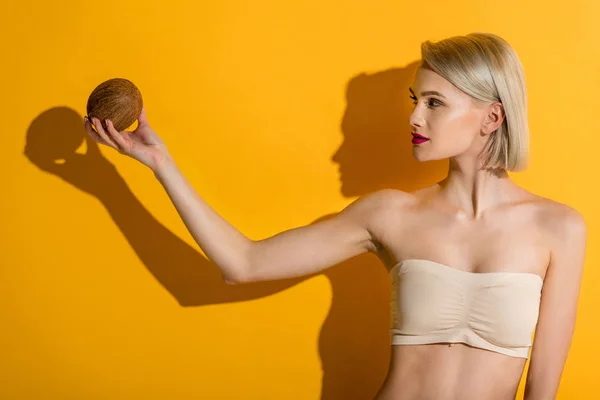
[435,303]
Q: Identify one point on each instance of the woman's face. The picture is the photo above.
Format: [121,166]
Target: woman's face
[454,122]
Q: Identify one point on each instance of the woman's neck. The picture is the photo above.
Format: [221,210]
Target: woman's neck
[472,190]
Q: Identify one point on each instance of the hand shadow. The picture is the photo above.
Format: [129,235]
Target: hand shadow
[376,153]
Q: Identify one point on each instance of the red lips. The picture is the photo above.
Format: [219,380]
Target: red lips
[418,139]
[415,134]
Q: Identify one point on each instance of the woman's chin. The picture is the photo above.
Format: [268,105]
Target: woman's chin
[419,156]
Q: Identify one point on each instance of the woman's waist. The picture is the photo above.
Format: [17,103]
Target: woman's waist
[450,371]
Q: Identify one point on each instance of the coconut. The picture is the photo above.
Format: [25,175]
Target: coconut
[117,99]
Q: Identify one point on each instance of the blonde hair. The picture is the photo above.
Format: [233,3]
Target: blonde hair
[488,69]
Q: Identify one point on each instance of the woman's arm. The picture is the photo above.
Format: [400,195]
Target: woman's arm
[222,243]
[558,306]
[313,248]
[292,253]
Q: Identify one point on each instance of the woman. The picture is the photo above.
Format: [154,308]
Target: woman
[477,262]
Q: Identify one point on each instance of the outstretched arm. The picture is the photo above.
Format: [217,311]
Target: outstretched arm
[292,253]
[296,252]
[313,248]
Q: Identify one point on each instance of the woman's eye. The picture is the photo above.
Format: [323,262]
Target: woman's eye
[431,103]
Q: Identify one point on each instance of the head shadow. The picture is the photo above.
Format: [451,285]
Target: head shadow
[377,151]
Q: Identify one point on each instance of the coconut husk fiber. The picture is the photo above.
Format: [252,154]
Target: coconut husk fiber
[117,99]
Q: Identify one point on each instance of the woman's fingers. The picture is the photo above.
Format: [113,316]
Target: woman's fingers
[87,124]
[104,135]
[142,119]
[126,135]
[123,143]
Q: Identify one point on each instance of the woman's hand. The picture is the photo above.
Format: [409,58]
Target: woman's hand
[143,144]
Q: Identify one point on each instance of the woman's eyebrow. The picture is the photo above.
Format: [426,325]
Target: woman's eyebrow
[428,93]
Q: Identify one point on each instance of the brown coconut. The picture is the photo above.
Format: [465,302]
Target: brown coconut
[117,99]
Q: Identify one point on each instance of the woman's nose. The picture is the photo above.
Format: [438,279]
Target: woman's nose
[415,119]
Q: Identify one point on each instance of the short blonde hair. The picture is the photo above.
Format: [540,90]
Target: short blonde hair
[488,69]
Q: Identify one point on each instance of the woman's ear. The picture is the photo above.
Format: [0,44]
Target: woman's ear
[494,118]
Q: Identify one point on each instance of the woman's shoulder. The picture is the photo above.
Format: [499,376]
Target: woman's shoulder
[392,199]
[390,202]
[563,227]
[554,215]
[384,204]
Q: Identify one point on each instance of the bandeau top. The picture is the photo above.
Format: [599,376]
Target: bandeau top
[435,303]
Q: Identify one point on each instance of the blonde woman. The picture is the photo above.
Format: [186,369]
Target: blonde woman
[477,263]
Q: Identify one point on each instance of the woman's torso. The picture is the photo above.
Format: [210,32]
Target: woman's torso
[510,238]
[450,372]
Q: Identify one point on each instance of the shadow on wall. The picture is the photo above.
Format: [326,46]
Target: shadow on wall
[375,154]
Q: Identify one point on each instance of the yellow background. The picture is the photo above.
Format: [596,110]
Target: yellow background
[105,295]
